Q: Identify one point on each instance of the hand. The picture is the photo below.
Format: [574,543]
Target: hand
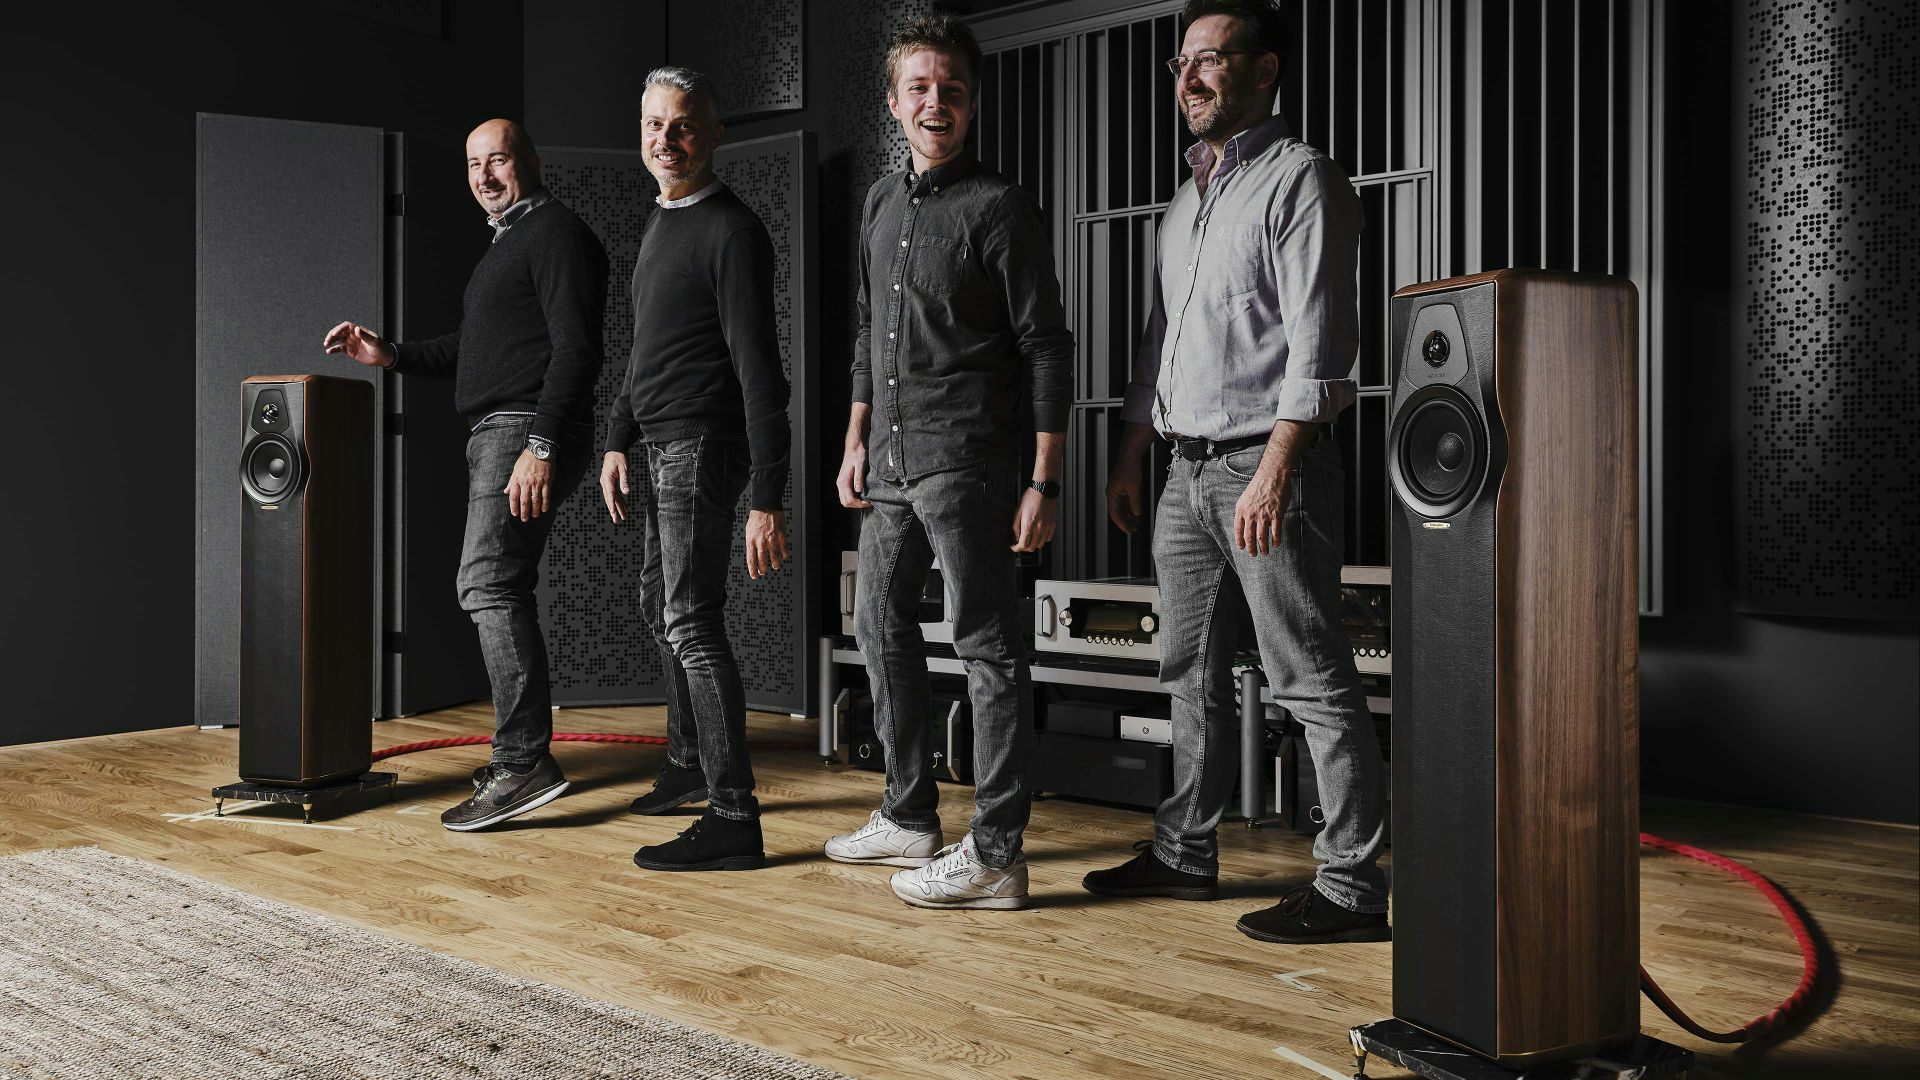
[766,541]
[1258,513]
[613,484]
[359,343]
[1123,496]
[1034,521]
[853,476]
[527,489]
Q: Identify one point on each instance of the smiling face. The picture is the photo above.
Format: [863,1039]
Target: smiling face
[933,100]
[500,170]
[678,132]
[1220,104]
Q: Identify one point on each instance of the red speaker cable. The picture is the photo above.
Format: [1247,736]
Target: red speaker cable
[567,736]
[1809,953]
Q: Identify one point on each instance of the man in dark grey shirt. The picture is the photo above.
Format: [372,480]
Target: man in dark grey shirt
[1246,362]
[962,347]
[705,393]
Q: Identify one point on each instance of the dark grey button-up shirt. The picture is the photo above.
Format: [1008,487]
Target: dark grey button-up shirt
[960,322]
[1255,315]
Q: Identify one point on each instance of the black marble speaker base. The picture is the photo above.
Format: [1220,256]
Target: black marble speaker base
[1426,1056]
[308,798]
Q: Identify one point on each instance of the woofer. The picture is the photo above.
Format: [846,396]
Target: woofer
[1440,451]
[270,468]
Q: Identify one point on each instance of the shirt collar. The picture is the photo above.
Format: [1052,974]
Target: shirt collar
[1242,148]
[713,188]
[939,176]
[514,213]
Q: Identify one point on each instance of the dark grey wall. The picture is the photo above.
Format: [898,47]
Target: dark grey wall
[586,65]
[97,634]
[1821,715]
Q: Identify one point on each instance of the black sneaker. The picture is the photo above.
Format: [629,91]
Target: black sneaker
[1306,917]
[1146,875]
[676,786]
[500,793]
[711,843]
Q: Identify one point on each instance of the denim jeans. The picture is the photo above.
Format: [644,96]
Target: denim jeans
[499,567]
[696,485]
[1293,594]
[965,518]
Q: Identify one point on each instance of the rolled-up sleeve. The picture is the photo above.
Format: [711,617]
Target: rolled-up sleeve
[1143,389]
[1316,250]
[861,369]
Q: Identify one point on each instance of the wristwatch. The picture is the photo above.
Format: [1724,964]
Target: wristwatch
[1048,488]
[542,448]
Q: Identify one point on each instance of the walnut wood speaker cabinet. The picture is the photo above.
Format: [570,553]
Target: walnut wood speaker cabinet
[1516,699]
[306,579]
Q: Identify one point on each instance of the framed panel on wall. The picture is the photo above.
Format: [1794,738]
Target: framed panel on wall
[753,50]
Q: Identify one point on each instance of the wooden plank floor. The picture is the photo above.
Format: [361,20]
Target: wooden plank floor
[819,961]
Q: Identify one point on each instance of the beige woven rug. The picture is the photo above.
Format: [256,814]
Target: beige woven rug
[114,967]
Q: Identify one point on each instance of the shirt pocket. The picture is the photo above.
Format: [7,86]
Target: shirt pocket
[1244,262]
[939,264]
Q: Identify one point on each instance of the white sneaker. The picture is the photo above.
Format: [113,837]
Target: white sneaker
[957,878]
[882,843]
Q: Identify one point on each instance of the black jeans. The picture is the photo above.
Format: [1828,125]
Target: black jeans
[499,567]
[695,486]
[965,517]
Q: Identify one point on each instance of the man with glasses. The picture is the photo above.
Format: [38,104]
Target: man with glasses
[962,345]
[1244,365]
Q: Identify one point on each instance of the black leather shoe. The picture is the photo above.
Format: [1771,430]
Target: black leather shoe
[500,793]
[675,786]
[1306,917]
[1146,875]
[711,843]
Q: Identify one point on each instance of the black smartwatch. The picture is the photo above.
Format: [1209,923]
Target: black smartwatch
[1048,488]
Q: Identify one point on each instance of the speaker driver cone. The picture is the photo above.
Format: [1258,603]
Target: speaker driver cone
[269,468]
[1439,451]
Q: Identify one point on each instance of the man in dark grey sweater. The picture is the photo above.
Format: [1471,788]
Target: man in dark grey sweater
[706,395]
[524,362]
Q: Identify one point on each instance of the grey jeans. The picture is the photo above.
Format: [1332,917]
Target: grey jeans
[695,486]
[964,517]
[1293,593]
[499,567]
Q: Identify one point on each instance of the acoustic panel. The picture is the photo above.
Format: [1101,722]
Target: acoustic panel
[1828,488]
[753,50]
[601,651]
[290,240]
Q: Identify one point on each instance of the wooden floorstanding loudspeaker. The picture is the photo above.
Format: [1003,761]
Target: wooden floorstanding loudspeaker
[1512,454]
[306,580]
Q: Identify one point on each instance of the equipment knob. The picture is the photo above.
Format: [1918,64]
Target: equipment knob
[1066,617]
[1148,624]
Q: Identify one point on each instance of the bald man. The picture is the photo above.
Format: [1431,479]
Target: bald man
[524,360]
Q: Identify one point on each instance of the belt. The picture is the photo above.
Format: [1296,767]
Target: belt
[1188,448]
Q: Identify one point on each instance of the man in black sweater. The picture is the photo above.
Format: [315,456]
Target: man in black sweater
[706,395]
[524,362]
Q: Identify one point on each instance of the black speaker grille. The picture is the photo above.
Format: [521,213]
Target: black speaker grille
[1826,387]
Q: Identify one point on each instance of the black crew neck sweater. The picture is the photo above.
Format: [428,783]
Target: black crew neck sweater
[530,326]
[706,358]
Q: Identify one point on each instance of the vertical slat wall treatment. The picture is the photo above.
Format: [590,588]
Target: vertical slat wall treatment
[1478,133]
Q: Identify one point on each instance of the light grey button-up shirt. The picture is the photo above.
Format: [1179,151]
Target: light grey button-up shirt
[1255,316]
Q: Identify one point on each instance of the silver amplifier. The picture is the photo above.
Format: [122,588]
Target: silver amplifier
[1366,610]
[936,604]
[1117,617]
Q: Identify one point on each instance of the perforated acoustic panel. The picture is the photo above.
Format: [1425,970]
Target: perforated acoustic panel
[1828,489]
[600,650]
[751,49]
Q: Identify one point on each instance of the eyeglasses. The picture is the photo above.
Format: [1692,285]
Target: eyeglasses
[1208,59]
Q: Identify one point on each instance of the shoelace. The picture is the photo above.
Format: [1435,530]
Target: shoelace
[946,860]
[874,824]
[1295,903]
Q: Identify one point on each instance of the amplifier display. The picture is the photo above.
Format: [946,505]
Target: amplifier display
[1366,609]
[1117,617]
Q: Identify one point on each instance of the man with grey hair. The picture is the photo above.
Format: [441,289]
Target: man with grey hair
[705,395]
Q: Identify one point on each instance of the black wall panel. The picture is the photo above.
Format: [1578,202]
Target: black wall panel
[1827,389]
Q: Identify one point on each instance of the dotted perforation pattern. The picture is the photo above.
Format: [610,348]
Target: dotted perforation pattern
[1826,384]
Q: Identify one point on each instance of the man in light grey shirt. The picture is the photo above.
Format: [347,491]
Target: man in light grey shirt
[1245,364]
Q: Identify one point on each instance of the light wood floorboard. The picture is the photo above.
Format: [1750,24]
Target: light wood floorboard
[818,960]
